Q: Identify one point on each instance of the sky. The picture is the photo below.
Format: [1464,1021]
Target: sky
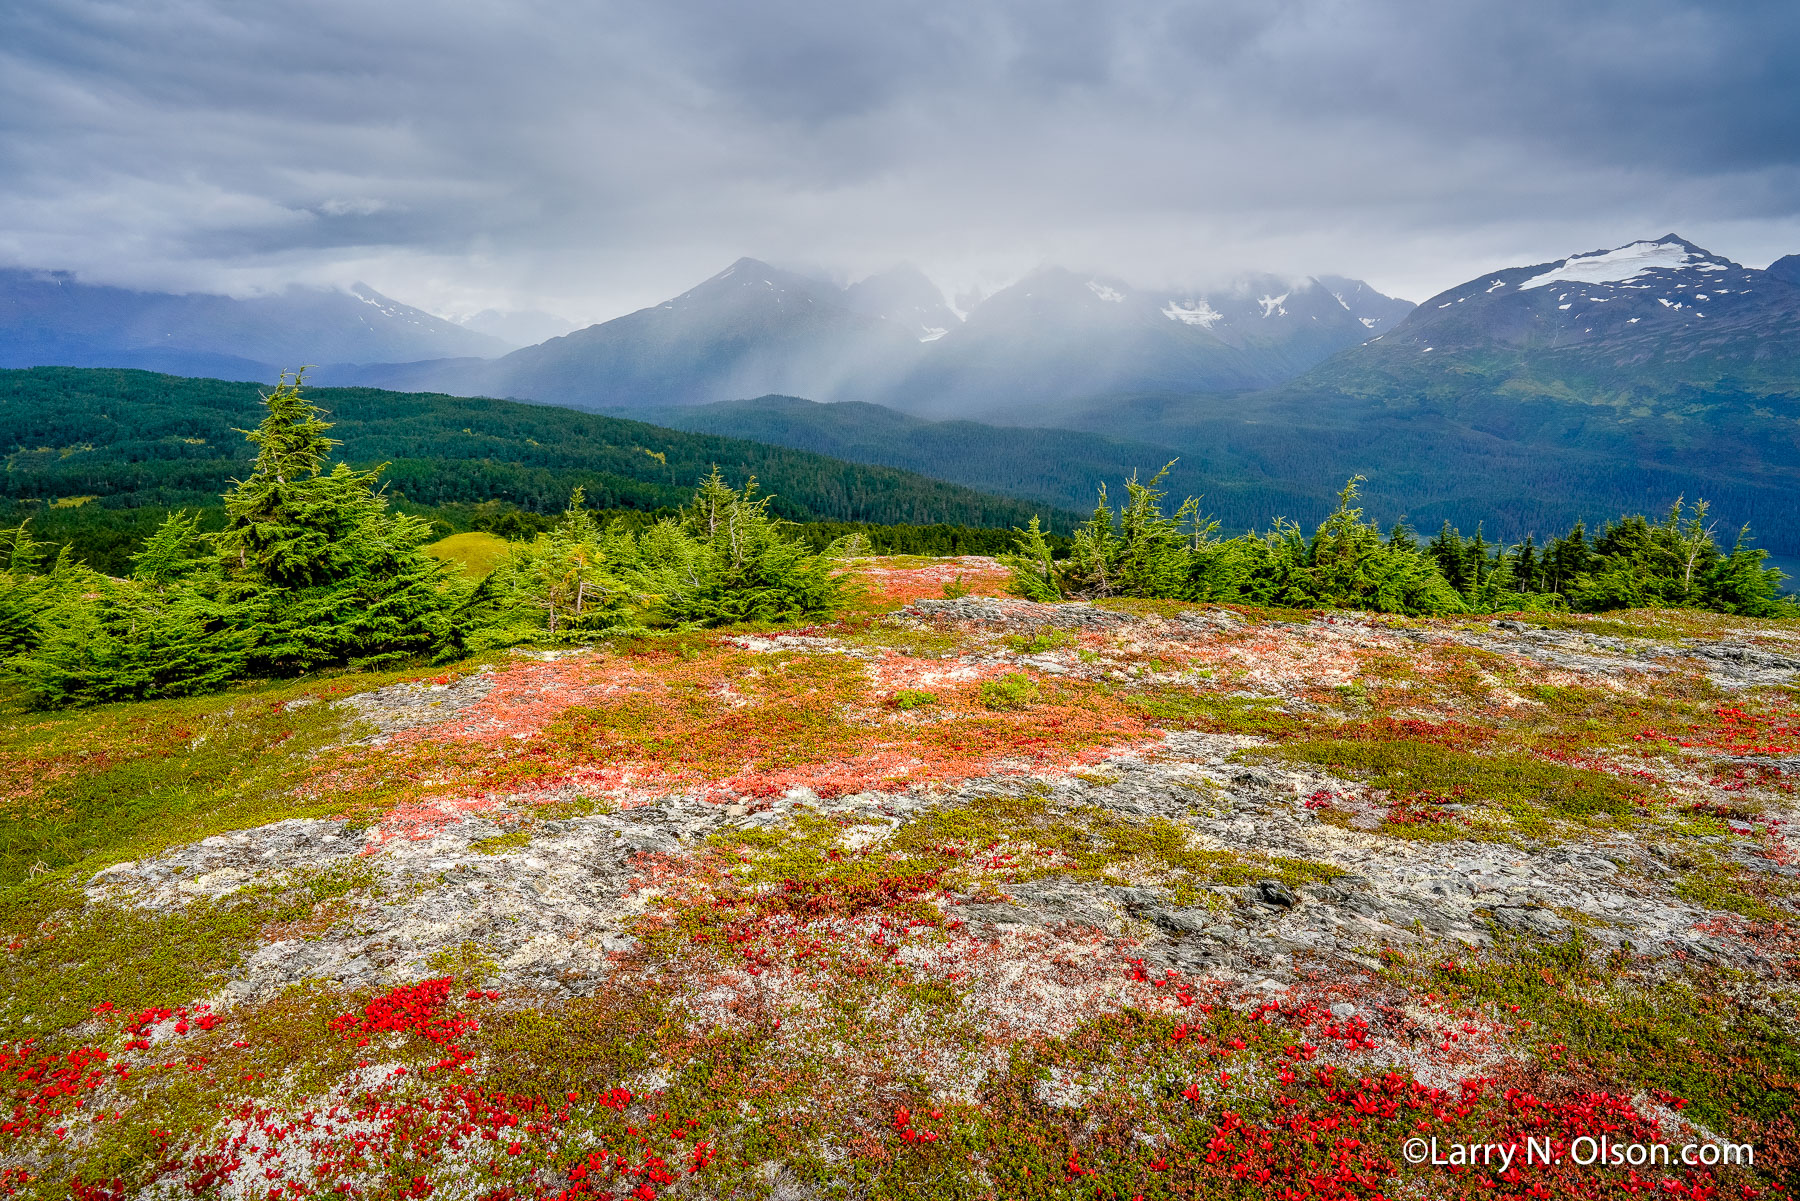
[594,156]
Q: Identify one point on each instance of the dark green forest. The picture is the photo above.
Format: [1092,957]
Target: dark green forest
[96,458]
[312,567]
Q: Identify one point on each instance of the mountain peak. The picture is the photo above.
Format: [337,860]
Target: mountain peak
[1628,262]
[746,268]
[1786,269]
[906,296]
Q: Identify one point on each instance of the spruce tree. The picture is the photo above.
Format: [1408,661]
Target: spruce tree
[1739,583]
[574,578]
[326,572]
[121,640]
[725,560]
[22,589]
[1525,565]
[1034,576]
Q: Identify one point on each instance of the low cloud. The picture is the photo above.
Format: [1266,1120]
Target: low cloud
[589,158]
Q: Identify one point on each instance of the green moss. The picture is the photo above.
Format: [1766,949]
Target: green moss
[1216,712]
[1014,690]
[1508,794]
[73,956]
[1145,607]
[1091,843]
[1717,884]
[912,698]
[126,781]
[1044,640]
[937,640]
[587,1044]
[1665,625]
[466,961]
[500,844]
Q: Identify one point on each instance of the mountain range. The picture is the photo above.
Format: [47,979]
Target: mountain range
[1054,338]
[1627,322]
[1608,381]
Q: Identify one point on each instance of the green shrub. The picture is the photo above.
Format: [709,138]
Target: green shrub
[312,569]
[1043,640]
[722,561]
[725,561]
[1012,691]
[912,698]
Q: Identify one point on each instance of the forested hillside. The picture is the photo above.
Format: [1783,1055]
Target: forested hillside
[95,456]
[1049,466]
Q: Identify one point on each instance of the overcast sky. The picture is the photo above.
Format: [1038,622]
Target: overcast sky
[593,156]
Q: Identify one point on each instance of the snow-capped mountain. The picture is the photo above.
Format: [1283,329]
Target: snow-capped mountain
[1626,376]
[1059,337]
[50,318]
[1264,308]
[1663,301]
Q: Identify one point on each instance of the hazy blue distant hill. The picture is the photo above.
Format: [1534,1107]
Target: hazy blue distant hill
[751,329]
[51,319]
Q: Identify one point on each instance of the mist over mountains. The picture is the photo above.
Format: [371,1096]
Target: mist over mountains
[1024,352]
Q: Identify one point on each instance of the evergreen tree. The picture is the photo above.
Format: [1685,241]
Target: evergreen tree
[725,560]
[174,552]
[1348,564]
[1448,552]
[1566,559]
[1739,583]
[120,640]
[325,570]
[1140,552]
[575,577]
[1145,552]
[25,591]
[1034,577]
[1525,565]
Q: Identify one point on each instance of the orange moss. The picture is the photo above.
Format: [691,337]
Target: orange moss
[726,723]
[890,587]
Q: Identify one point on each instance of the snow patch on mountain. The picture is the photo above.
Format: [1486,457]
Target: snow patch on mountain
[1272,306]
[1110,295]
[1193,312]
[1625,263]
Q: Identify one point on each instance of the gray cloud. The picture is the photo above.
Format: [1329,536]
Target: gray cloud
[592,157]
